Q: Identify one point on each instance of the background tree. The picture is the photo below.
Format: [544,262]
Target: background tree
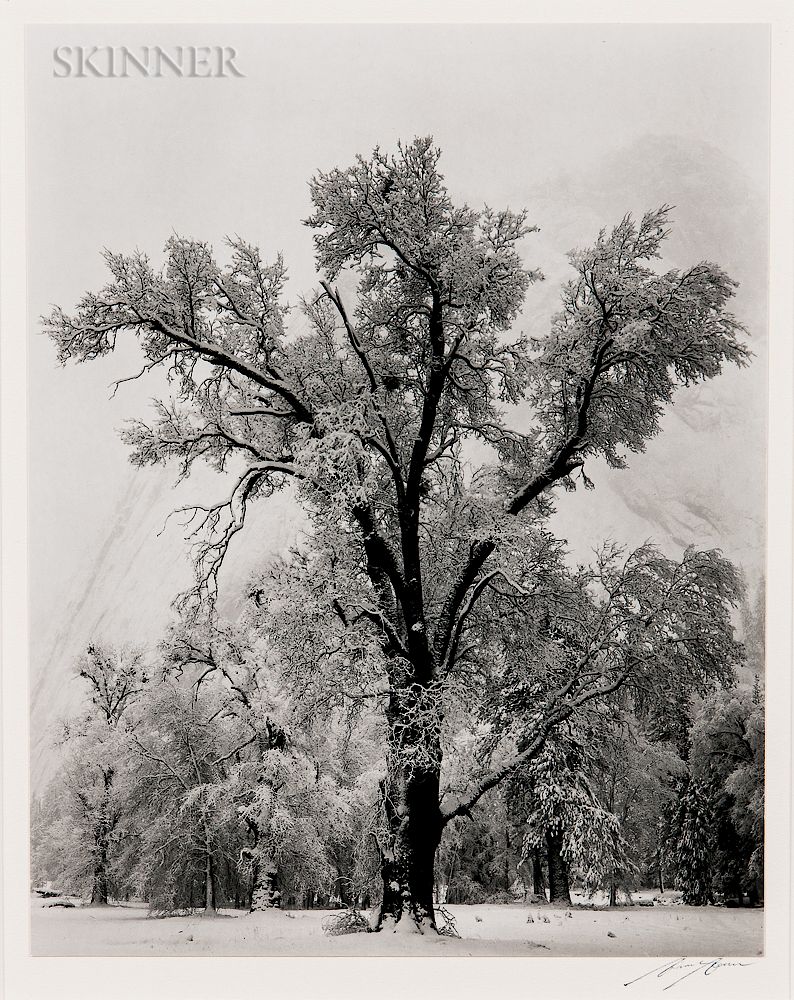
[565,818]
[206,651]
[184,743]
[714,827]
[89,794]
[728,756]
[479,855]
[295,785]
[369,409]
[634,778]
[693,837]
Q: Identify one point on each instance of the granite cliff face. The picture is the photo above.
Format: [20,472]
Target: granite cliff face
[702,481]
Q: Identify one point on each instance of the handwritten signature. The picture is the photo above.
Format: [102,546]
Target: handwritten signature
[669,971]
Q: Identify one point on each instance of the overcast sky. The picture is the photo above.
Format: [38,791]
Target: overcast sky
[578,124]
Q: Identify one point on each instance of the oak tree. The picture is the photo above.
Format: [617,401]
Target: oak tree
[370,409]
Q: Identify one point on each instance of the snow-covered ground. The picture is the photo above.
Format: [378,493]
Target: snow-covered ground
[486,930]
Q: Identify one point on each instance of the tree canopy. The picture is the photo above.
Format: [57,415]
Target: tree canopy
[430,583]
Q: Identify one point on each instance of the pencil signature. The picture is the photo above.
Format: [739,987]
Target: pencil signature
[675,971]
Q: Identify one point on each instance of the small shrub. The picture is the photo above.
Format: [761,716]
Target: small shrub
[501,897]
[445,923]
[348,922]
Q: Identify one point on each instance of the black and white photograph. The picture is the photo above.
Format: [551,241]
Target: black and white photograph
[406,575]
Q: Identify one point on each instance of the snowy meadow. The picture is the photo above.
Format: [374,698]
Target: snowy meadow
[485,930]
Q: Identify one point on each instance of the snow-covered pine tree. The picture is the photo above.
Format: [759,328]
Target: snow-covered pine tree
[692,837]
[565,818]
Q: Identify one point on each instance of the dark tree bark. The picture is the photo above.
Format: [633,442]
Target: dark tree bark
[209,878]
[413,817]
[559,888]
[410,795]
[407,864]
[538,882]
[507,858]
[102,831]
[99,888]
[341,889]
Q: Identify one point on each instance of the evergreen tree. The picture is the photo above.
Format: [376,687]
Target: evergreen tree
[692,833]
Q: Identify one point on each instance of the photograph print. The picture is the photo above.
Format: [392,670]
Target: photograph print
[397,485]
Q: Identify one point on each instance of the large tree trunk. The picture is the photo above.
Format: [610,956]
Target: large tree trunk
[99,888]
[414,829]
[559,888]
[102,831]
[412,812]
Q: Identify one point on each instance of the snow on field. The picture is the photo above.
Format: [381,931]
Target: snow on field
[486,930]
